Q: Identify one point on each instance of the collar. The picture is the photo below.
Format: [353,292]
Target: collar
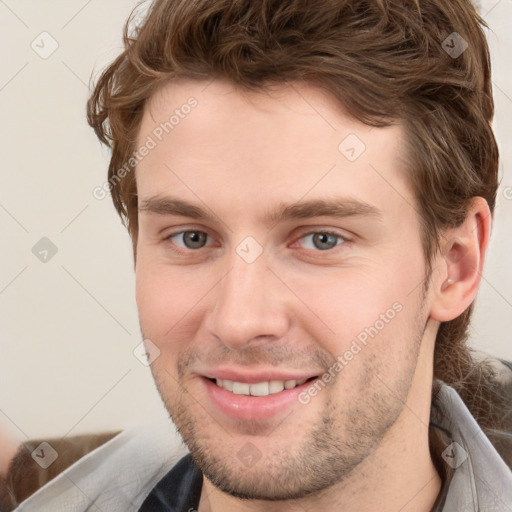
[475,477]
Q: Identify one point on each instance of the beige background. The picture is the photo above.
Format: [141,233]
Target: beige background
[69,326]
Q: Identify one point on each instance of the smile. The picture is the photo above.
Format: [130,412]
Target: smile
[255,401]
[258,388]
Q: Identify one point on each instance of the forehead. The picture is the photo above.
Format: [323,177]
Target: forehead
[213,141]
[184,106]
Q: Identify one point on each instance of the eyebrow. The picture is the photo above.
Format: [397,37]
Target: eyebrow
[337,208]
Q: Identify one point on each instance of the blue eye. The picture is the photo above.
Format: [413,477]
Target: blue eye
[322,241]
[190,239]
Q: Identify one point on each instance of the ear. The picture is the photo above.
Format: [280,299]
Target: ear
[459,263]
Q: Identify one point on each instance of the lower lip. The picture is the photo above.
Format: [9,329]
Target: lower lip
[253,408]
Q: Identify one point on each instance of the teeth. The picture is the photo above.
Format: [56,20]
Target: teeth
[289,384]
[259,388]
[241,388]
[275,386]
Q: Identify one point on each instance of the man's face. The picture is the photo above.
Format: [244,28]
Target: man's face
[272,245]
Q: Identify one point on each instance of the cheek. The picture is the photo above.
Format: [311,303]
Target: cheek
[167,301]
[366,302]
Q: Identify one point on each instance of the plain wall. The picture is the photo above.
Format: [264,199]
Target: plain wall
[69,325]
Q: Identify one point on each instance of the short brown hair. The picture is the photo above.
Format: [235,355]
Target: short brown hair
[384,60]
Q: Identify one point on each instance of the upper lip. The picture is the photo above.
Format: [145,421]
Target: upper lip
[252,376]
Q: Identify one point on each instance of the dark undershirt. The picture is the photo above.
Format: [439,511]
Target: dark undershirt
[180,489]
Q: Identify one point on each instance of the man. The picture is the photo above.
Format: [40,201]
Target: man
[309,188]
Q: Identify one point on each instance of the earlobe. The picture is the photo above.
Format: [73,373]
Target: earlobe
[459,264]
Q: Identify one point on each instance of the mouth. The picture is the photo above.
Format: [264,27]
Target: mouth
[259,389]
[257,401]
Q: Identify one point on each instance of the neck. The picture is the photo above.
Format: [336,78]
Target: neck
[398,475]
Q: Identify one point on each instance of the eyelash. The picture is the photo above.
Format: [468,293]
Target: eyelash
[182,250]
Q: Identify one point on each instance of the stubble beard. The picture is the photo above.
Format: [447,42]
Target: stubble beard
[347,432]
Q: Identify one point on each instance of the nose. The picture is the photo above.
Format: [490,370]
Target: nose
[250,305]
